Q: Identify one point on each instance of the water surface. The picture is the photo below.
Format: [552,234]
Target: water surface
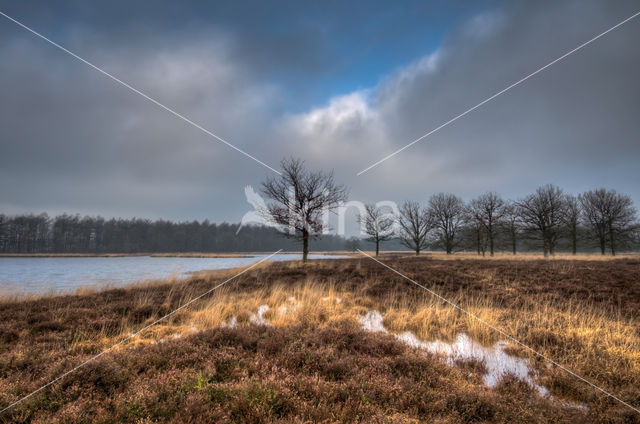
[56,274]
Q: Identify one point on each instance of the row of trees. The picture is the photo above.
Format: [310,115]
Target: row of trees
[299,202]
[598,218]
[77,234]
[299,199]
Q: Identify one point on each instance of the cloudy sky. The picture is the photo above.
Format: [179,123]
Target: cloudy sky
[338,85]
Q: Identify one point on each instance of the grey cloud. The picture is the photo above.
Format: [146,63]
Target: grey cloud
[73,140]
[65,126]
[575,124]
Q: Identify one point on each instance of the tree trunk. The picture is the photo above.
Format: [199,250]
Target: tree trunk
[377,247]
[491,241]
[417,250]
[305,245]
[513,242]
[603,246]
[612,241]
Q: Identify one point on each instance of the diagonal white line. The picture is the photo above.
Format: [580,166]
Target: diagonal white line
[152,100]
[499,93]
[503,333]
[184,305]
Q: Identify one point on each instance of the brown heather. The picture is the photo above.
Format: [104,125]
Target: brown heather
[315,364]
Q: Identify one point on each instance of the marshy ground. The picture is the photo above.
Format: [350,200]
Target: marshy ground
[285,342]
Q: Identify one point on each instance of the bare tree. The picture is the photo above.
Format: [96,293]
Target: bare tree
[595,210]
[414,225]
[571,220]
[476,236]
[487,210]
[448,213]
[377,224]
[611,217]
[541,214]
[622,222]
[299,198]
[511,222]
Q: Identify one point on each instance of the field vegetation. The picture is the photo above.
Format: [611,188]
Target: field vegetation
[307,359]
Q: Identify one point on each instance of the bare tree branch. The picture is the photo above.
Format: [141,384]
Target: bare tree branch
[298,200]
[377,224]
[448,215]
[415,224]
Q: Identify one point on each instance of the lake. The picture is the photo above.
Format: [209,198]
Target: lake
[64,274]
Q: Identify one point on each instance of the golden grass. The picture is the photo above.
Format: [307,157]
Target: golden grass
[321,303]
[576,334]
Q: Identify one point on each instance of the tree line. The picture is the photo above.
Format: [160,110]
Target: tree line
[547,220]
[601,219]
[67,233]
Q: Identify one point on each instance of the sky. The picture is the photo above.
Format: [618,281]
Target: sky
[337,84]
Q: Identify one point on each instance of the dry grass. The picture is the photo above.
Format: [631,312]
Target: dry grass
[501,256]
[315,364]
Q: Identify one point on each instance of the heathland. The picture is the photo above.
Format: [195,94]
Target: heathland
[284,342]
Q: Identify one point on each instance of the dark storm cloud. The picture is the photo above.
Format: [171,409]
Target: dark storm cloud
[74,140]
[109,25]
[65,126]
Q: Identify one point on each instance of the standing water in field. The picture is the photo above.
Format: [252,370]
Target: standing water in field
[497,363]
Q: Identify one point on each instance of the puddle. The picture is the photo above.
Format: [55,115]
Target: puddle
[255,319]
[497,363]
[258,319]
[233,323]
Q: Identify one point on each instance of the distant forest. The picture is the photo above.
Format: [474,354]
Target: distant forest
[75,234]
[67,233]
